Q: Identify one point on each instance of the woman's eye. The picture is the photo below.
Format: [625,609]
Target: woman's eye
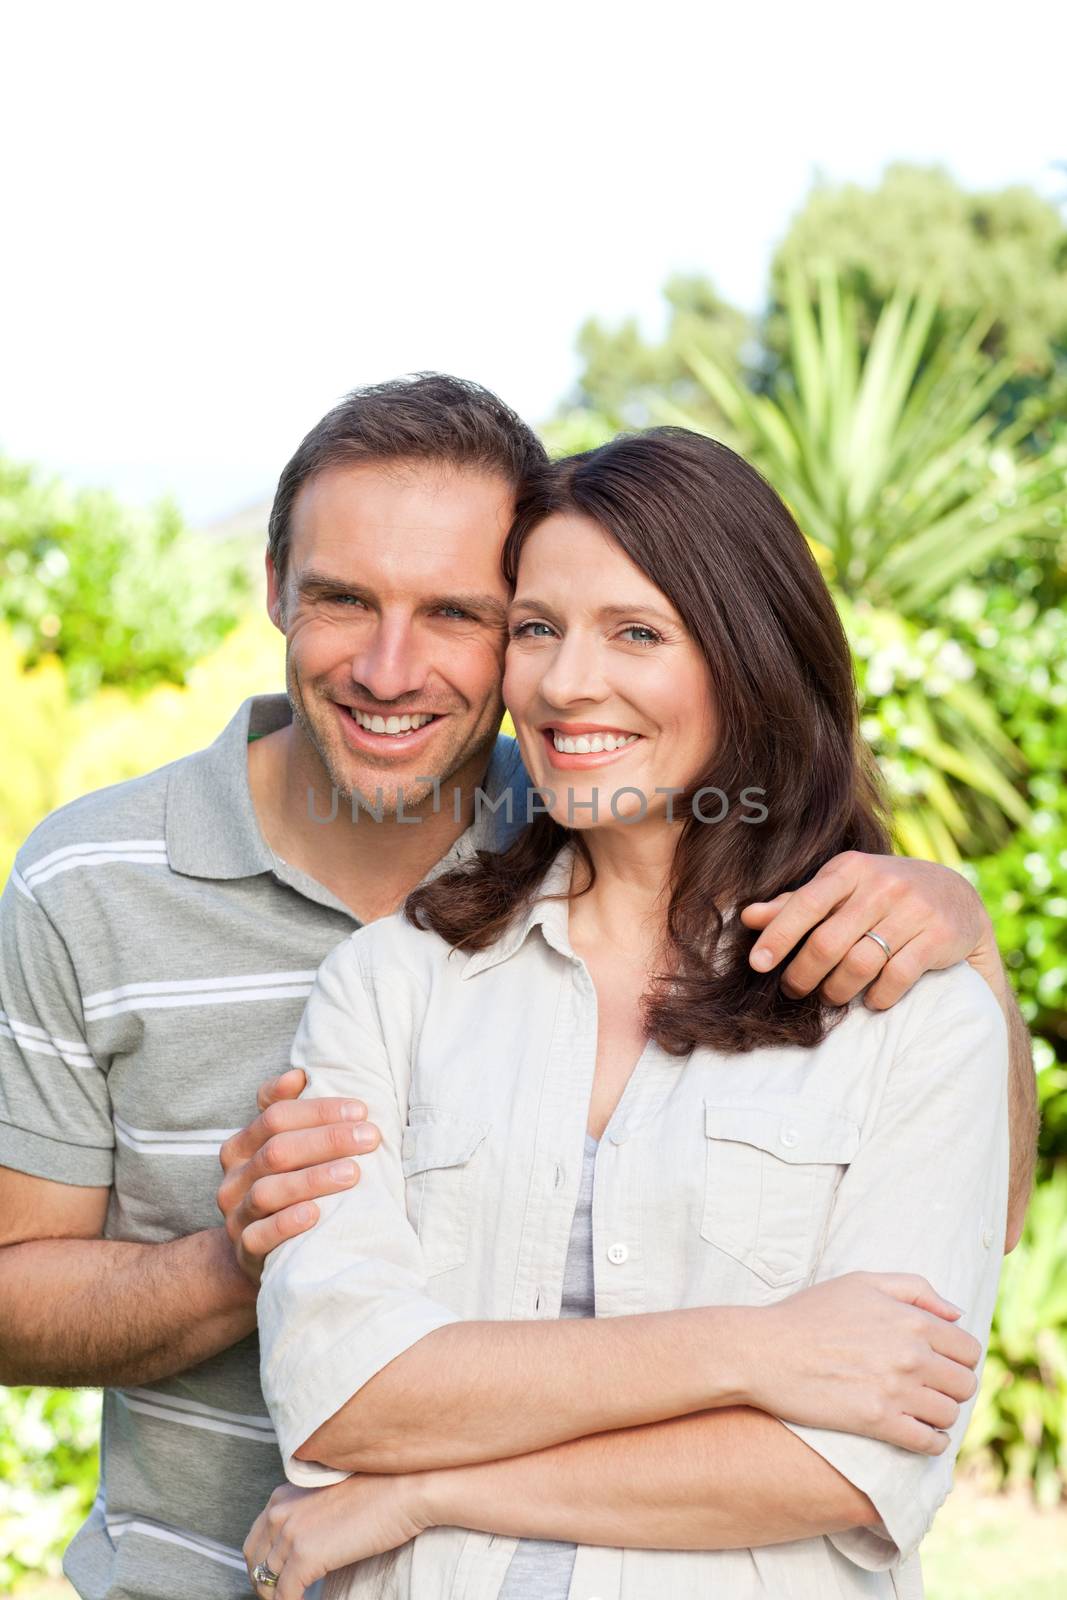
[525,630]
[647,635]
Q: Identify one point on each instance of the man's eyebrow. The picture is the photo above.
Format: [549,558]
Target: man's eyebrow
[486,607]
[605,613]
[315,582]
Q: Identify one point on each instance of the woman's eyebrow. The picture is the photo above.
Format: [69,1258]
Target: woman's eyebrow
[603,613]
[639,606]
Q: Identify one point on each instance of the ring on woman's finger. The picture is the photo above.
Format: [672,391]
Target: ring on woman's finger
[263,1575]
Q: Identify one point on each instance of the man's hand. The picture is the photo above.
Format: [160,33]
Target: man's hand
[293,1153]
[929,916]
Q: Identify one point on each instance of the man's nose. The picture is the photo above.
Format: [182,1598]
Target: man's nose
[390,664]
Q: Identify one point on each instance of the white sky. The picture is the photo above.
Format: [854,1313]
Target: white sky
[219,217]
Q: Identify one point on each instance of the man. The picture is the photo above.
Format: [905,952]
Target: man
[159,938]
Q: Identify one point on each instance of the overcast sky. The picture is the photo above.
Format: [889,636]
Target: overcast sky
[219,217]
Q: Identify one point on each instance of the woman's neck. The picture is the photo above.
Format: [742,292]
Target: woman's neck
[627,905]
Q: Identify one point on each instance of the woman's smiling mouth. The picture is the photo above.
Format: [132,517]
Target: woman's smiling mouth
[585,744]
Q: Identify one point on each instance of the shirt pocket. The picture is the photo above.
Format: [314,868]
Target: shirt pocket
[437,1157]
[772,1170]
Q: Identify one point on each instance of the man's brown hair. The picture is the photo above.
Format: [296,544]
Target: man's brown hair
[428,417]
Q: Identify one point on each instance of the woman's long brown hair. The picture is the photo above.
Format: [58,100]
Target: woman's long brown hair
[713,537]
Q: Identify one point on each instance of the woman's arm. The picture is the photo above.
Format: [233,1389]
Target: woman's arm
[719,1480]
[927,1191]
[365,1372]
[722,1480]
[866,1352]
[932,918]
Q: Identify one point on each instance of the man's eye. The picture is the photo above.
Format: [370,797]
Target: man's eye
[454,611]
[343,600]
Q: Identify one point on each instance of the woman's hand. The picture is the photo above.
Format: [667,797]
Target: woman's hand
[870,1353]
[302,1534]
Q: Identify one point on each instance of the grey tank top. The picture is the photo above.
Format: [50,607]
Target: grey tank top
[541,1569]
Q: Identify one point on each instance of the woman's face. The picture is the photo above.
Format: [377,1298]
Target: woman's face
[607,690]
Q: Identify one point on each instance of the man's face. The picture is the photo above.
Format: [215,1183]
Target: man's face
[393,609]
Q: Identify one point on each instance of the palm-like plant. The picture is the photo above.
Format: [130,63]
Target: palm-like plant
[902,476]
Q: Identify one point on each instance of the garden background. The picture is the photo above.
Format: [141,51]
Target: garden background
[905,388]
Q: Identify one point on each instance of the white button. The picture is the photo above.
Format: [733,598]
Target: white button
[987,1237]
[789,1137]
[618,1253]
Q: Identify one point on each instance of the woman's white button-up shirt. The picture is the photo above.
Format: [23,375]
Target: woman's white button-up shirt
[721,1180]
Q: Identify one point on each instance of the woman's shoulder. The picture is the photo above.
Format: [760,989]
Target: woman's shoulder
[945,1014]
[392,951]
[940,999]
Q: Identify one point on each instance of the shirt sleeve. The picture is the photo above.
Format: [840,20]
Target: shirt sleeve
[927,1194]
[342,1300]
[55,1107]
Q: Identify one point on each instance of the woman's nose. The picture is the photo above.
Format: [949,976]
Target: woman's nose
[574,674]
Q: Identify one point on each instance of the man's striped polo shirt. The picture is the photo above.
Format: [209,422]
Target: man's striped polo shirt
[155,958]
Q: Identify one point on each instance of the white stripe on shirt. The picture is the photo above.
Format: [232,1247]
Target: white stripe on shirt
[205,1417]
[96,847]
[21,885]
[28,1037]
[167,1002]
[196,985]
[223,1553]
[163,1142]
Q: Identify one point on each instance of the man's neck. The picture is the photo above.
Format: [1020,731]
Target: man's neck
[368,864]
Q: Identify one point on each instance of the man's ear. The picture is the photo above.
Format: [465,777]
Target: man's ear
[275,594]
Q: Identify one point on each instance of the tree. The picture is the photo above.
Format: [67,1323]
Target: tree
[1003,251]
[624,373]
[117,597]
[900,472]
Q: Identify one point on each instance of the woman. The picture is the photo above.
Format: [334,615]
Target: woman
[630,1201]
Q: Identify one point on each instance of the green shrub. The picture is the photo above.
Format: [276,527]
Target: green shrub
[117,596]
[48,1475]
[1019,1426]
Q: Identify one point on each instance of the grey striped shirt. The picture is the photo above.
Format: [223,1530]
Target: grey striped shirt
[155,958]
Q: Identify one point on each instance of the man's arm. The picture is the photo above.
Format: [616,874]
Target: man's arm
[79,1309]
[931,918]
[1024,1122]
[716,1480]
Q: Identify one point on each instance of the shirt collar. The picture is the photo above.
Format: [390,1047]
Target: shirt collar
[211,826]
[550,915]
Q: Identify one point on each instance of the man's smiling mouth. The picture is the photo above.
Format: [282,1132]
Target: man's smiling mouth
[378,724]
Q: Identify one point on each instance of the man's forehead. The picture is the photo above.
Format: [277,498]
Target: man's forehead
[432,494]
